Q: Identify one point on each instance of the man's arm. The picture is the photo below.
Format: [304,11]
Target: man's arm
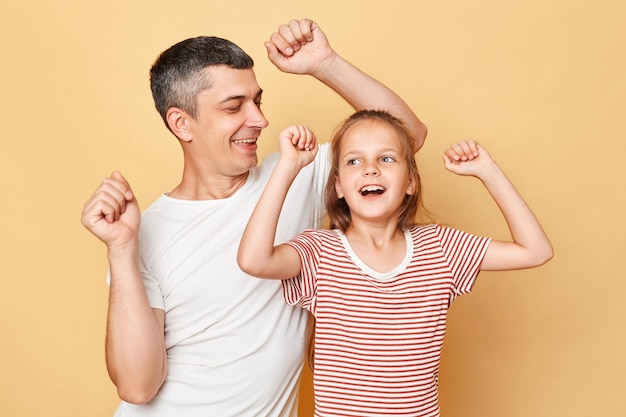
[300,47]
[135,341]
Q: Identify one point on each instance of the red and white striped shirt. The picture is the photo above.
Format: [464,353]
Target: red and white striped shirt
[378,337]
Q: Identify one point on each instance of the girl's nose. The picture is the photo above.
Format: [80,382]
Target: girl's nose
[371,170]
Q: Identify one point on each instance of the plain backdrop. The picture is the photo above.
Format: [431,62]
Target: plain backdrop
[540,83]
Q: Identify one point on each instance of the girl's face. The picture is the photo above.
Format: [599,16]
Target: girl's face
[373,175]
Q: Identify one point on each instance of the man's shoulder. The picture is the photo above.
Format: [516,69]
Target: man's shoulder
[154,208]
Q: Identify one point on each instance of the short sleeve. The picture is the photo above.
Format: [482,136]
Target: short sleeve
[155,297]
[301,290]
[464,253]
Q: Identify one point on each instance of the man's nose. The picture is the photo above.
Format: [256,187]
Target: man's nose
[256,117]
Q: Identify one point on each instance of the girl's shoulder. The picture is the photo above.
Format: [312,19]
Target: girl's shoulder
[428,232]
[321,234]
[425,228]
[319,237]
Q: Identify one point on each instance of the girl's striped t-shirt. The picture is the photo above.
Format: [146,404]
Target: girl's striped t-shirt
[378,336]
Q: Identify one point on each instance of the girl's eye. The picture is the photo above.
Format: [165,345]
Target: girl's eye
[353,162]
[388,159]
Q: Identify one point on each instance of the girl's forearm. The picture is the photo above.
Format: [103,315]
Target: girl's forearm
[534,247]
[257,255]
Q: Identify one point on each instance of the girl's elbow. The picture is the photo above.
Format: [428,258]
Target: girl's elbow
[544,256]
[248,264]
[549,254]
[243,263]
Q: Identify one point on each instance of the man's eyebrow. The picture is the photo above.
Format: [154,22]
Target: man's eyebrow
[233,97]
[241,96]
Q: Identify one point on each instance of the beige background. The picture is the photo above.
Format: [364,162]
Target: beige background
[541,83]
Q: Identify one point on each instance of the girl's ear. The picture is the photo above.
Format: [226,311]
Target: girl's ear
[338,187]
[410,189]
[180,123]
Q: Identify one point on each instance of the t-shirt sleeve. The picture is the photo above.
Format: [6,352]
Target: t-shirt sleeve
[301,290]
[464,253]
[322,167]
[155,297]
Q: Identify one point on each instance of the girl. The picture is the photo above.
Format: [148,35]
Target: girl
[378,284]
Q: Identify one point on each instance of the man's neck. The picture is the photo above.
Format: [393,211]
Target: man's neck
[208,188]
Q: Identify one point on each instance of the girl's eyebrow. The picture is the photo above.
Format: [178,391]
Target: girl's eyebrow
[384,150]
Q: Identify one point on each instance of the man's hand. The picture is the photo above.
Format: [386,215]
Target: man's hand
[112,213]
[299,47]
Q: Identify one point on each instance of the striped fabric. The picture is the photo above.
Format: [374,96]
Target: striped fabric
[378,340]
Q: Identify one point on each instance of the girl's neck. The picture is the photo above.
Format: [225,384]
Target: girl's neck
[382,247]
[373,235]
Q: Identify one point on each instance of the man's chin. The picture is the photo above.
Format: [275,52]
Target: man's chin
[253,161]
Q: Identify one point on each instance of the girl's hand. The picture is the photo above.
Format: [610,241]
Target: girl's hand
[467,157]
[298,144]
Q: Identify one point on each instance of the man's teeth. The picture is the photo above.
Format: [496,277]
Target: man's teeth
[376,189]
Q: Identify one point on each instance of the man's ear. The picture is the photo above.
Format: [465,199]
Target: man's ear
[179,123]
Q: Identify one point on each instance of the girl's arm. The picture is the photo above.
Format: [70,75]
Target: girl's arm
[530,246]
[257,254]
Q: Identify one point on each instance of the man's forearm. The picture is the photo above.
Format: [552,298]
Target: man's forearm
[364,92]
[135,346]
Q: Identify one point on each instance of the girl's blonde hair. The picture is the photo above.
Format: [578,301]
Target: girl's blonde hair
[337,208]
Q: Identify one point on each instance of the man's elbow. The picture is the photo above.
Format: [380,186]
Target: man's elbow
[420,136]
[136,396]
[138,391]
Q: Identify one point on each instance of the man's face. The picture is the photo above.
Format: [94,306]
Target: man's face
[228,123]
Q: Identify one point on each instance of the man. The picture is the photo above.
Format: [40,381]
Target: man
[188,333]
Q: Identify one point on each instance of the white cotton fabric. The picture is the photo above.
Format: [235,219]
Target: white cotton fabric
[234,347]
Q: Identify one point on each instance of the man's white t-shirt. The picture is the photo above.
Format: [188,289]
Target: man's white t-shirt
[234,347]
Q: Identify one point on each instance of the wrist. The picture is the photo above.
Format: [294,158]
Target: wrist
[288,166]
[125,249]
[329,68]
[490,173]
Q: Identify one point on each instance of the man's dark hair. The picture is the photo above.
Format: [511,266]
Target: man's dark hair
[177,76]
